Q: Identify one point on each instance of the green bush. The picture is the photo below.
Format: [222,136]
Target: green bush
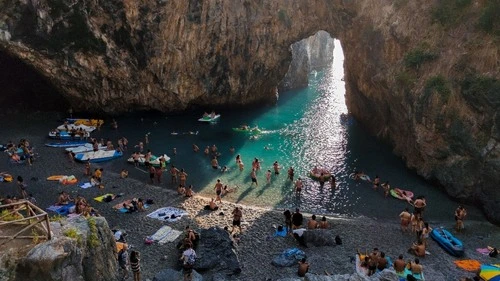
[284,18]
[437,84]
[489,21]
[93,239]
[449,12]
[481,91]
[416,57]
[73,233]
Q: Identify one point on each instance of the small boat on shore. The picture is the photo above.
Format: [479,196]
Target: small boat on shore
[448,242]
[66,144]
[209,118]
[64,136]
[98,156]
[70,127]
[85,148]
[401,194]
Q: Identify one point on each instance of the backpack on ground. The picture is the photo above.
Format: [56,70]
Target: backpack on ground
[338,241]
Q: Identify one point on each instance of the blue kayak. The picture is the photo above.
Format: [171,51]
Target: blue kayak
[66,144]
[448,242]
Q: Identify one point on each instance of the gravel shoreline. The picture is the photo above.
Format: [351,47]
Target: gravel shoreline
[255,250]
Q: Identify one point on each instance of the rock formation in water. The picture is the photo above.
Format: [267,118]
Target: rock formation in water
[423,76]
[313,53]
[67,256]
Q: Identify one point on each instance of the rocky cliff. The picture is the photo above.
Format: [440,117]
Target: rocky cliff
[313,53]
[80,250]
[423,76]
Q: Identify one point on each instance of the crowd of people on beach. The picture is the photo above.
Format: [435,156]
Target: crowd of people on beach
[411,222]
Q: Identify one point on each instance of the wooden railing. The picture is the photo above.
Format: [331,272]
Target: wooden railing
[34,216]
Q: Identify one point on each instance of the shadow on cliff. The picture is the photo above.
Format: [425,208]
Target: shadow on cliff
[24,89]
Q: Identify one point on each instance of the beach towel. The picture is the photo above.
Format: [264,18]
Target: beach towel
[169,214]
[101,198]
[54,208]
[469,265]
[119,246]
[62,210]
[288,257]
[85,185]
[484,251]
[281,233]
[165,234]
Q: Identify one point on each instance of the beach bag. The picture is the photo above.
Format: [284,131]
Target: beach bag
[150,201]
[108,198]
[148,241]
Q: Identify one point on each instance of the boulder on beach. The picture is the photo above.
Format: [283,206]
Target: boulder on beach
[319,238]
[215,250]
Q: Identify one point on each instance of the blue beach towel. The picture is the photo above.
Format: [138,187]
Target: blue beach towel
[281,233]
[61,210]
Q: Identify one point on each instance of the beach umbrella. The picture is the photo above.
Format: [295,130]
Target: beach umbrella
[490,272]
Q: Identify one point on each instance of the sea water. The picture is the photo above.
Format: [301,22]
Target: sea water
[306,128]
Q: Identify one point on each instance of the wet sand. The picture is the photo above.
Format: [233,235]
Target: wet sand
[255,249]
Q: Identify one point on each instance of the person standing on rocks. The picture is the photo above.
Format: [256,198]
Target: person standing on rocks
[460,214]
[237,214]
[297,219]
[303,267]
[188,258]
[123,261]
[288,220]
[218,190]
[135,265]
[405,217]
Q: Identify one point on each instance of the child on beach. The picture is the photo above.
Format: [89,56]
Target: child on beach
[124,174]
[268,176]
[87,168]
[135,265]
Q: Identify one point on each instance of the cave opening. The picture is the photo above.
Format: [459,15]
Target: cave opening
[24,89]
[319,53]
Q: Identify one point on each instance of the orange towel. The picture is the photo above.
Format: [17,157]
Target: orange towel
[119,246]
[469,265]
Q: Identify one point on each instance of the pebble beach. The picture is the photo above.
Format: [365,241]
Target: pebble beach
[257,246]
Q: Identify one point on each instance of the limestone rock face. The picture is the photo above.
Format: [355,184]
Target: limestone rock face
[313,53]
[68,259]
[423,76]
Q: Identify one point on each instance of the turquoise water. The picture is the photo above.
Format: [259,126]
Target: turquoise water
[302,130]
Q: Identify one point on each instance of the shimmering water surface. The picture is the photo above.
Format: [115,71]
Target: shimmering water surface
[303,130]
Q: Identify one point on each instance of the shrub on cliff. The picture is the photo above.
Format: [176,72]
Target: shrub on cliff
[489,21]
[449,12]
[418,56]
[439,85]
[481,92]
